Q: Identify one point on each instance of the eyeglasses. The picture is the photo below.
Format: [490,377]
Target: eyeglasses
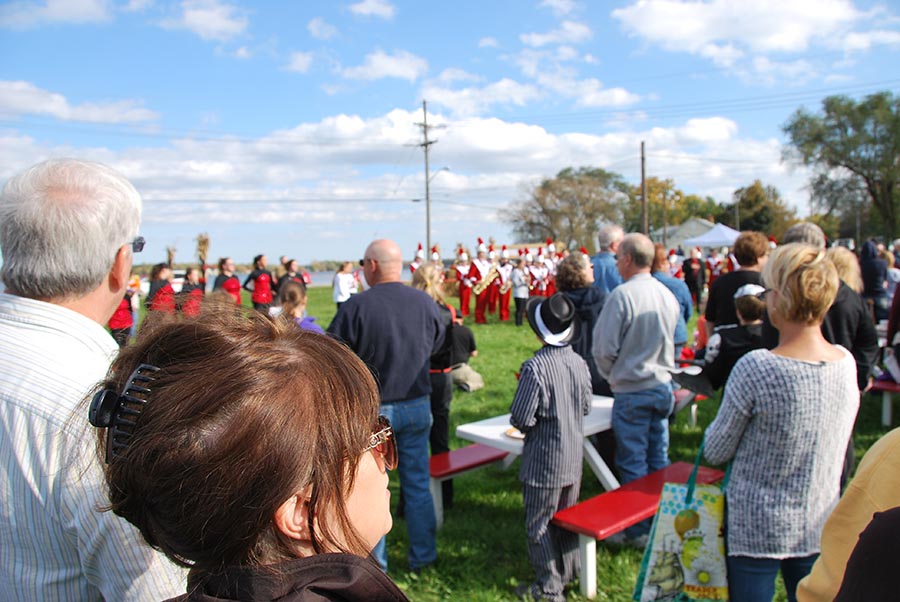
[137,245]
[384,444]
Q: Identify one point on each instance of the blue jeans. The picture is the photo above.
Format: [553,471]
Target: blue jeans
[640,421]
[411,421]
[753,579]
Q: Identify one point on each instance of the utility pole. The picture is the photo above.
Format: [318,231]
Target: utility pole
[645,217]
[426,145]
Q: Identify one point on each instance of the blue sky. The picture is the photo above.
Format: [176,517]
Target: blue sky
[289,128]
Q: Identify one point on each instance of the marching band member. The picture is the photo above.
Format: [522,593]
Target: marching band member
[420,257]
[504,284]
[550,261]
[462,268]
[494,286]
[478,274]
[539,274]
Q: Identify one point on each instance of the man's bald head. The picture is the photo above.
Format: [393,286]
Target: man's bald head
[383,262]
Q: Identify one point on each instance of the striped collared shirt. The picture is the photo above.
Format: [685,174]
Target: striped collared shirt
[54,544]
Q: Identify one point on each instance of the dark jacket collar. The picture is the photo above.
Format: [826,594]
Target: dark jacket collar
[320,578]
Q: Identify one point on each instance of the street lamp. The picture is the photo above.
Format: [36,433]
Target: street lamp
[428,179]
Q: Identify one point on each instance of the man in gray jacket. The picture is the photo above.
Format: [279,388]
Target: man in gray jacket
[634,351]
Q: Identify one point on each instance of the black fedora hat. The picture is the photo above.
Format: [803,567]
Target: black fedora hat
[553,319]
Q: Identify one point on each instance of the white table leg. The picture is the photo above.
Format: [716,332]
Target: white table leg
[604,474]
[437,498]
[587,550]
[886,408]
[508,461]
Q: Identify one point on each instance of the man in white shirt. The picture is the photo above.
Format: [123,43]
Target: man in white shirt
[68,230]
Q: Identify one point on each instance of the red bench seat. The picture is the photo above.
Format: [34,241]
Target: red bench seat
[612,511]
[456,462]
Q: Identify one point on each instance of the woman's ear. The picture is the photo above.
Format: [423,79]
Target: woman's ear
[292,517]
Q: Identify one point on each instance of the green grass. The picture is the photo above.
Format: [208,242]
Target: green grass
[481,548]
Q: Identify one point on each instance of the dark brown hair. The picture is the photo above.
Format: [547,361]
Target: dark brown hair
[749,247]
[570,272]
[243,414]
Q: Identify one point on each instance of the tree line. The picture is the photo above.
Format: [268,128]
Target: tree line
[852,148]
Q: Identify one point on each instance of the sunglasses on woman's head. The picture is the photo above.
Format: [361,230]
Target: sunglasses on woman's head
[383,443]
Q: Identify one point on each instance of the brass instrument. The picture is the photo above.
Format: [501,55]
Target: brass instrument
[482,284]
[506,285]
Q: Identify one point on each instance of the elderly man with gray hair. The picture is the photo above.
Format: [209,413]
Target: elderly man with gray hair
[634,350]
[68,232]
[606,276]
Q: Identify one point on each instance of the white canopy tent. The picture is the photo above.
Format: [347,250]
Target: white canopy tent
[719,236]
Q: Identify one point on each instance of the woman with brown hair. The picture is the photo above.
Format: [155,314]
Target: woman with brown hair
[271,488]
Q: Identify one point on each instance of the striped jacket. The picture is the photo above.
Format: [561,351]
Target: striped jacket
[553,396]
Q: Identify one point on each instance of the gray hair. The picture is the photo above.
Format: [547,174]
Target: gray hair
[61,223]
[639,248]
[608,235]
[805,232]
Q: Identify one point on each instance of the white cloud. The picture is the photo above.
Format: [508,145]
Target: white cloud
[379,64]
[453,74]
[569,32]
[320,29]
[28,14]
[476,100]
[858,41]
[137,5]
[760,26]
[374,8]
[243,53]
[559,7]
[300,62]
[209,19]
[24,98]
[770,71]
[488,42]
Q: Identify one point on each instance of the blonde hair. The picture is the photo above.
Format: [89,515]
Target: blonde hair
[806,282]
[847,265]
[428,278]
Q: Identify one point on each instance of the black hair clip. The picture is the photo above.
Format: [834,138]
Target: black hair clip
[119,412]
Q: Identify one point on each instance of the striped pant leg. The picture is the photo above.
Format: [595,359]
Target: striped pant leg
[553,552]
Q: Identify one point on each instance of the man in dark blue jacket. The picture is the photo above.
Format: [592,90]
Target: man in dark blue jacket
[395,329]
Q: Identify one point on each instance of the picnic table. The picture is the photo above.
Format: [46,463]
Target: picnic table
[494,432]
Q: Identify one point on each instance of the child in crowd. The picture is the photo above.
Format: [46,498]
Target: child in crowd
[730,343]
[553,396]
[293,306]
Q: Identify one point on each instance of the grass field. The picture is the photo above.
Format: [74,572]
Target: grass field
[481,548]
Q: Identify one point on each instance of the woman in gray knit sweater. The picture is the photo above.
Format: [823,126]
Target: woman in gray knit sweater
[784,423]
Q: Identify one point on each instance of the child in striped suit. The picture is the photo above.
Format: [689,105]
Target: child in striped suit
[553,396]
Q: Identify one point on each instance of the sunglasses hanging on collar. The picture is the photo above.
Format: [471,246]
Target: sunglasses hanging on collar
[119,412]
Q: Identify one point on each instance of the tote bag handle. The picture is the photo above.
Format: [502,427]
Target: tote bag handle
[692,480]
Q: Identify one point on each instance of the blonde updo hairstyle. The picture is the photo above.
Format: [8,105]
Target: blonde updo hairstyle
[805,280]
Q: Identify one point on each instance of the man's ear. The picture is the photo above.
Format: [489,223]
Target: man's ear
[120,272]
[292,517]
